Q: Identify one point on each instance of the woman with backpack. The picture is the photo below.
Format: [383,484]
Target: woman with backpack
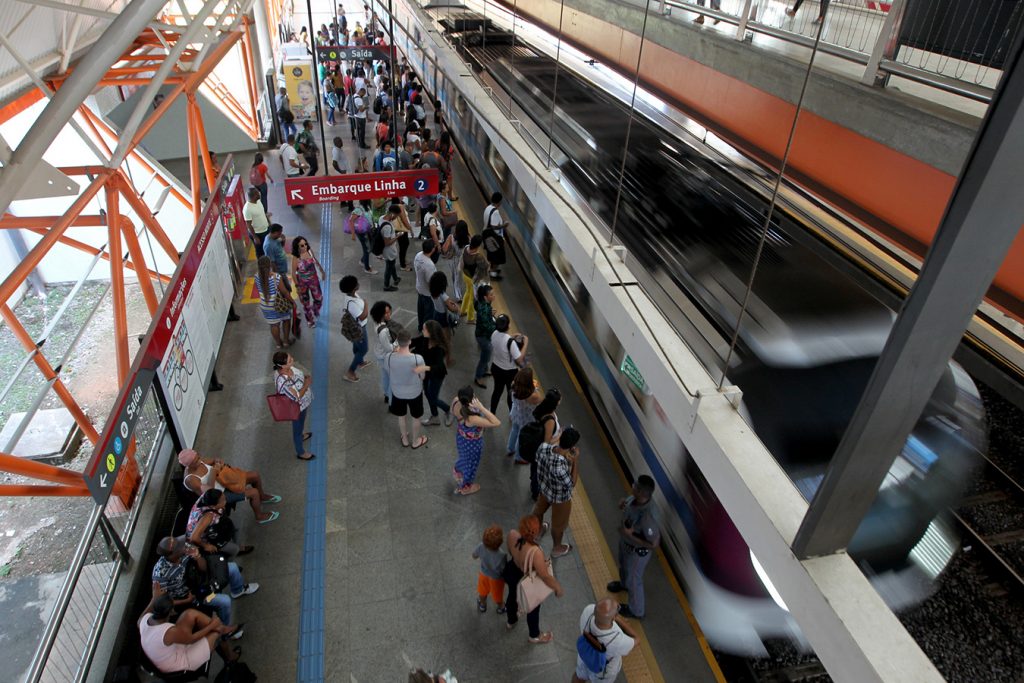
[446,311]
[525,396]
[259,174]
[353,326]
[358,225]
[543,429]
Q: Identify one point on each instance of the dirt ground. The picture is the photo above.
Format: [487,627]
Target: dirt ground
[39,535]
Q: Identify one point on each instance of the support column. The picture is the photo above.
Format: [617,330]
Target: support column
[193,157]
[204,147]
[981,222]
[120,305]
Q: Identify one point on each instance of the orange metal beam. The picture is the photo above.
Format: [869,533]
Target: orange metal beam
[120,307]
[39,470]
[44,366]
[148,219]
[92,251]
[135,250]
[15,490]
[36,254]
[204,146]
[10,222]
[83,170]
[193,162]
[96,123]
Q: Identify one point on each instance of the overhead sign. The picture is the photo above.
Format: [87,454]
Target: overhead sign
[337,53]
[350,187]
[102,472]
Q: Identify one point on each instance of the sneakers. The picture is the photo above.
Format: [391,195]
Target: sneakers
[615,587]
[481,606]
[501,609]
[248,589]
[430,420]
[628,613]
[391,289]
[448,419]
[237,633]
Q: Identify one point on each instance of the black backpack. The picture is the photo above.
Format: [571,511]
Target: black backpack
[531,436]
[235,672]
[378,105]
[377,240]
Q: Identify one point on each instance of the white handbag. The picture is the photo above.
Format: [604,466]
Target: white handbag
[532,590]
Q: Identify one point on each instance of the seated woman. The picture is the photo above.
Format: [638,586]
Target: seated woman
[210,529]
[202,475]
[185,645]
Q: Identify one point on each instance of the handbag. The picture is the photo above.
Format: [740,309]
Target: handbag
[532,591]
[283,302]
[296,325]
[282,408]
[232,479]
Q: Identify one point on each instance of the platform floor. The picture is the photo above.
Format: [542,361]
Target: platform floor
[398,579]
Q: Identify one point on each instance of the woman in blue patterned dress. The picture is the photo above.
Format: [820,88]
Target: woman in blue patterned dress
[267,284]
[471,421]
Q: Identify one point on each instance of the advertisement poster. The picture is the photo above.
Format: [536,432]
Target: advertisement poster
[298,79]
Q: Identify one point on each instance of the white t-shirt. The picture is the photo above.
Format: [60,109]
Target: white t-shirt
[354,305]
[383,345]
[425,268]
[288,155]
[617,645]
[500,349]
[493,219]
[338,155]
[253,212]
[358,102]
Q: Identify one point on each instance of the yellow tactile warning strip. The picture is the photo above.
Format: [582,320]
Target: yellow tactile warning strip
[249,295]
[641,665]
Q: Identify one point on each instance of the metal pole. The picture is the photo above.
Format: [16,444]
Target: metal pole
[112,538]
[885,44]
[512,55]
[121,33]
[316,90]
[554,89]
[982,220]
[391,79]
[629,124]
[741,27]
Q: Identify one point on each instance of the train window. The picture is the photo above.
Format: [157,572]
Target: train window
[498,164]
[460,104]
[525,208]
[561,266]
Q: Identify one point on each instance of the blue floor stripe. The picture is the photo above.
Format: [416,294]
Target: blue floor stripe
[311,621]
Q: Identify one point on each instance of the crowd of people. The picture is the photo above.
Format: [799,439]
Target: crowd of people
[196,578]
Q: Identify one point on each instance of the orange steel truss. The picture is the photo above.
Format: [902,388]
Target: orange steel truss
[136,68]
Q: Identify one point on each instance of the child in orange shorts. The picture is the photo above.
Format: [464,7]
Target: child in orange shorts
[492,564]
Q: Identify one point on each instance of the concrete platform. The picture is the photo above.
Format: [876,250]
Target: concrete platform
[398,579]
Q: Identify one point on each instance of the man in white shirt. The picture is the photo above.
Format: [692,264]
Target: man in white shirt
[290,158]
[508,354]
[359,103]
[603,622]
[424,266]
[256,219]
[492,215]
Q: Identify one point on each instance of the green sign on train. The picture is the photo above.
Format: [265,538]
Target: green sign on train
[630,370]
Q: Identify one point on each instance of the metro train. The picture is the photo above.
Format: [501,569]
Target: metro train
[805,351]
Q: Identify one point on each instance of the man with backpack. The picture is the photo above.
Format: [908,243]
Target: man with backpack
[285,115]
[605,638]
[307,145]
[385,160]
[494,236]
[385,243]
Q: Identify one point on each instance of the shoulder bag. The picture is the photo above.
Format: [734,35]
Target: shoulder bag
[532,590]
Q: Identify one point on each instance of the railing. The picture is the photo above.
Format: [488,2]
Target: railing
[955,49]
[68,642]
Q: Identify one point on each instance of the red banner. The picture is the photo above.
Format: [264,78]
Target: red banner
[350,187]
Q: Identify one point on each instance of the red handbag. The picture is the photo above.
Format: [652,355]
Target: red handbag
[282,408]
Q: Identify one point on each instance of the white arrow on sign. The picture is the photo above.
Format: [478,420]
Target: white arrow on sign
[103,481]
[297,194]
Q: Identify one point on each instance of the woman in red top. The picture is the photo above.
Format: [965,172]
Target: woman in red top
[259,174]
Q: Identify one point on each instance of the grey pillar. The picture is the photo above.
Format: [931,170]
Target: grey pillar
[88,71]
[981,221]
[34,280]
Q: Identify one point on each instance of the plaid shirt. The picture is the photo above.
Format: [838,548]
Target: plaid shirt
[554,473]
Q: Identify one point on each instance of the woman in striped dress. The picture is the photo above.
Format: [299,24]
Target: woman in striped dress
[267,284]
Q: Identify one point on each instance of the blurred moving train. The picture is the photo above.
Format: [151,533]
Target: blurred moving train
[806,348]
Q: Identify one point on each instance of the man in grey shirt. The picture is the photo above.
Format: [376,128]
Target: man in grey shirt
[424,266]
[390,254]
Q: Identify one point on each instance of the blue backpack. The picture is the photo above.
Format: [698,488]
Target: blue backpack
[591,650]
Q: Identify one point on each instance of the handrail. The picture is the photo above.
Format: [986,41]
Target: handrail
[882,44]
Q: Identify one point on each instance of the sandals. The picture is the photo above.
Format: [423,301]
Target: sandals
[543,638]
[544,526]
[482,385]
[568,549]
[350,379]
[481,606]
[467,490]
[305,437]
[273,499]
[273,515]
[423,442]
[311,457]
[405,440]
[246,549]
